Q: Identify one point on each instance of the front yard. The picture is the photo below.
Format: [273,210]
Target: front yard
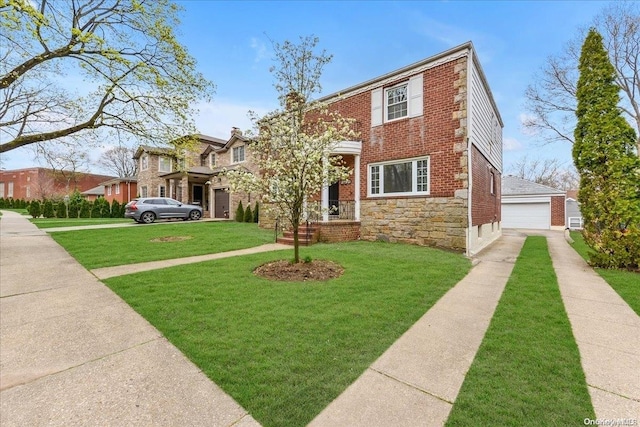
[283,350]
[128,245]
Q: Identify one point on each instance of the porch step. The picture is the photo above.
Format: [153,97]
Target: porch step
[306,237]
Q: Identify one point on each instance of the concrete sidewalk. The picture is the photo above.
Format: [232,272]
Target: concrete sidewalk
[416,381]
[73,353]
[119,270]
[606,330]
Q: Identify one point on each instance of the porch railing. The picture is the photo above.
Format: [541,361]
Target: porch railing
[338,210]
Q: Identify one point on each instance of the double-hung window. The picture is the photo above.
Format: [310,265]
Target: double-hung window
[396,102]
[399,178]
[238,154]
[144,162]
[212,160]
[164,164]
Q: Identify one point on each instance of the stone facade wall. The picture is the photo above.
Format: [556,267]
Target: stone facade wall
[430,221]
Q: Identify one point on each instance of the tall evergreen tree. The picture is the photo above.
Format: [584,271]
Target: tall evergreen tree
[604,156]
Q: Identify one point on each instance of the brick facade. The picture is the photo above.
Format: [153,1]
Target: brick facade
[557,211]
[41,183]
[485,196]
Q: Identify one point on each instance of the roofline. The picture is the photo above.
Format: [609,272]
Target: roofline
[464,46]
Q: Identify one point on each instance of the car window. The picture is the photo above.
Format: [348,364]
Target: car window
[173,202]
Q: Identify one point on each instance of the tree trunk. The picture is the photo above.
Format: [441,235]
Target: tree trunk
[296,243]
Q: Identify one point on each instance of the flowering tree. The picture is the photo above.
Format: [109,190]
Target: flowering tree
[292,147]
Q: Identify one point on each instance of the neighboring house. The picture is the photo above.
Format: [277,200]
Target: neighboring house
[526,204]
[573,215]
[43,183]
[121,189]
[200,181]
[93,193]
[428,161]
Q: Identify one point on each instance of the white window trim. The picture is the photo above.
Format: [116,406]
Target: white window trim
[212,160]
[244,154]
[117,188]
[386,102]
[144,162]
[414,178]
[160,159]
[108,190]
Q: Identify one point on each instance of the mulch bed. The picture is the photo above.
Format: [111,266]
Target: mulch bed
[316,270]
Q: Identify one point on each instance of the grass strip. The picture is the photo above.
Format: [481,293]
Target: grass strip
[95,248]
[527,371]
[76,222]
[625,283]
[285,350]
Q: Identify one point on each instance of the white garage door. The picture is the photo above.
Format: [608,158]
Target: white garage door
[526,215]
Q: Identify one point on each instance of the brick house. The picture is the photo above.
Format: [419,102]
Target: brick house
[42,183]
[428,162]
[121,189]
[201,181]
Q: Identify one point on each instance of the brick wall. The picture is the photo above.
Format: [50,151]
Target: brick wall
[557,211]
[41,183]
[485,207]
[331,232]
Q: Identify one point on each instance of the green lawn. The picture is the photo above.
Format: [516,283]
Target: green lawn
[527,371]
[283,350]
[625,283]
[95,248]
[74,222]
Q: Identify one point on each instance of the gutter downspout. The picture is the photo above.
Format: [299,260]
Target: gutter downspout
[469,152]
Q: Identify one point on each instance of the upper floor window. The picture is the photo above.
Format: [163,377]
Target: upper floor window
[399,178]
[164,164]
[108,190]
[212,160]
[117,188]
[492,183]
[396,102]
[144,162]
[238,154]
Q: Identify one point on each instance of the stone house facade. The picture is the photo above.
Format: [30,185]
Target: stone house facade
[428,161]
[200,180]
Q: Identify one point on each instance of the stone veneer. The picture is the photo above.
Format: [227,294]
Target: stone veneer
[438,221]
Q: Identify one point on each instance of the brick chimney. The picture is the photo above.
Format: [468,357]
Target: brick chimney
[235,131]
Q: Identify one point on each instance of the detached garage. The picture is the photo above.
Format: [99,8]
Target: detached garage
[526,204]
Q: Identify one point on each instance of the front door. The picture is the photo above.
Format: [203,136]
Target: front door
[334,199]
[222,203]
[198,191]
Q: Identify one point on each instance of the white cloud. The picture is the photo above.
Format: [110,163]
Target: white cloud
[260,49]
[511,144]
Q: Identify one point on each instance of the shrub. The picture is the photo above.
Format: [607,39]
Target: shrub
[34,209]
[115,209]
[240,212]
[256,213]
[86,209]
[95,208]
[73,209]
[61,209]
[47,209]
[248,215]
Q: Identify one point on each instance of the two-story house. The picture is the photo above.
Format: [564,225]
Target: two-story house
[200,180]
[428,162]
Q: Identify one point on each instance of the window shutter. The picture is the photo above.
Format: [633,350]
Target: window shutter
[415,96]
[376,107]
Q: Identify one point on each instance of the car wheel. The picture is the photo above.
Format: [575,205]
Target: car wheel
[195,215]
[148,217]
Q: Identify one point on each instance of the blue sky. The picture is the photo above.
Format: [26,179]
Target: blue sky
[230,40]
